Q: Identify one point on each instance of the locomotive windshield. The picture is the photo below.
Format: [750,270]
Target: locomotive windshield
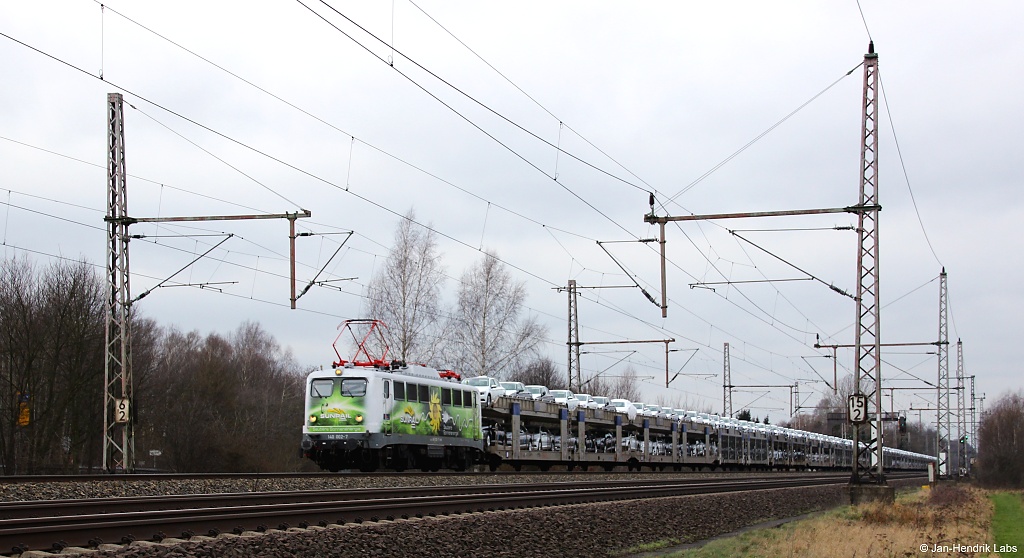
[353,387]
[321,388]
[350,387]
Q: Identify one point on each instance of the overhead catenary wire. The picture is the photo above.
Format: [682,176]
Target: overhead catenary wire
[353,141]
[906,175]
[251,297]
[242,144]
[561,124]
[215,156]
[742,294]
[275,159]
[468,120]
[757,138]
[353,138]
[183,250]
[254,268]
[632,277]
[456,89]
[790,264]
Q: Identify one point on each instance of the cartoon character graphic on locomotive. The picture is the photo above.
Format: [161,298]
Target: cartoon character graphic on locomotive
[368,412]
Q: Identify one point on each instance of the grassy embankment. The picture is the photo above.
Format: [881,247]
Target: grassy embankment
[1008,521]
[932,520]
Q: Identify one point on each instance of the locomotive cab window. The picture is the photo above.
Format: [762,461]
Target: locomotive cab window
[399,391]
[321,388]
[353,387]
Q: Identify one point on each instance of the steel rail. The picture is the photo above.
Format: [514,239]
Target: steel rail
[257,477]
[208,515]
[103,505]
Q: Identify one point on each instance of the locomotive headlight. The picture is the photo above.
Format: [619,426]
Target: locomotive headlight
[359,418]
[312,419]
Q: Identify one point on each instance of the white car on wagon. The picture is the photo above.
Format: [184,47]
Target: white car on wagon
[489,388]
[536,391]
[513,388]
[565,397]
[586,400]
[624,406]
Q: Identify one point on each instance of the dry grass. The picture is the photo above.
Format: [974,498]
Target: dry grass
[945,516]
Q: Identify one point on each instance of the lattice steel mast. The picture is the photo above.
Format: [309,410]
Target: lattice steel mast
[942,438]
[974,427]
[961,409]
[574,340]
[868,376]
[118,422]
[726,383]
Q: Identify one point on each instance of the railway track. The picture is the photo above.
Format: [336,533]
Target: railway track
[257,477]
[48,525]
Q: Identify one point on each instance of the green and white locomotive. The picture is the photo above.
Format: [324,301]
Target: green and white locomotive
[369,413]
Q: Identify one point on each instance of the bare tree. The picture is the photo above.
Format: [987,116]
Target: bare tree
[406,293]
[627,385]
[213,404]
[51,361]
[541,371]
[1002,443]
[597,385]
[243,385]
[71,357]
[489,335]
[19,303]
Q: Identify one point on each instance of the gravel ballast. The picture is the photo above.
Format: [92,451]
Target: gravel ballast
[579,530]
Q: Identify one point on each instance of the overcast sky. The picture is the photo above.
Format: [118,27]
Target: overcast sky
[265,107]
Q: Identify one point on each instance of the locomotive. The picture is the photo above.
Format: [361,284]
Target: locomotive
[368,413]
